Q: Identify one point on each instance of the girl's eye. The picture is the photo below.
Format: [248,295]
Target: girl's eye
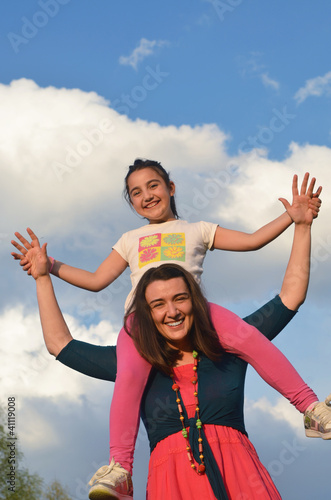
[153,186]
[135,193]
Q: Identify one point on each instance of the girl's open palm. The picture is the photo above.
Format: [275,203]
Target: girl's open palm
[32,257]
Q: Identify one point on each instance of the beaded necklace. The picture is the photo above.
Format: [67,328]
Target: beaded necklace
[201,467]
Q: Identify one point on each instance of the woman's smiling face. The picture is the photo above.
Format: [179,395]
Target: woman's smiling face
[171,309]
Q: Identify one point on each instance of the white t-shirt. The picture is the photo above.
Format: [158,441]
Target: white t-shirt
[181,242]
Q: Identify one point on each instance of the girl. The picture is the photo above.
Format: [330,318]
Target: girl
[150,192]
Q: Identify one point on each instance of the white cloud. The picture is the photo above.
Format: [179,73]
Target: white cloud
[282,411]
[145,48]
[76,210]
[318,86]
[27,367]
[252,67]
[269,82]
[66,153]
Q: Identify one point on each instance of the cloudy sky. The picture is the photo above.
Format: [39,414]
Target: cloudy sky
[233,97]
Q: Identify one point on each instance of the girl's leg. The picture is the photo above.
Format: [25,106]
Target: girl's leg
[131,378]
[248,343]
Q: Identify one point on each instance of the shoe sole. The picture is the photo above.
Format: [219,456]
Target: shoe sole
[104,494]
[100,495]
[315,434]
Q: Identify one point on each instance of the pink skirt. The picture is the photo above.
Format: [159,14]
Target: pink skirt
[171,477]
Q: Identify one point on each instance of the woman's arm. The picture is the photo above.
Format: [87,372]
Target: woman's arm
[296,279]
[55,330]
[272,317]
[110,269]
[93,360]
[228,239]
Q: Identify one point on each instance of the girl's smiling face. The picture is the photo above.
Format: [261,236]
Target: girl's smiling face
[150,196]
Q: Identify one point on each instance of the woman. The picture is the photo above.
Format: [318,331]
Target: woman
[231,469]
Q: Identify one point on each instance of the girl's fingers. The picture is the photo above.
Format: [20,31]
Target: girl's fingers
[318,192]
[16,256]
[23,241]
[19,247]
[311,187]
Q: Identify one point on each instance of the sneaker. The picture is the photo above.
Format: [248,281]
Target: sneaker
[318,420]
[111,482]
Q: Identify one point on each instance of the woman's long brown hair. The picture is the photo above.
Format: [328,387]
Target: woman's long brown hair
[141,327]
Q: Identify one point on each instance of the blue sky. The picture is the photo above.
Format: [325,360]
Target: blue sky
[226,66]
[233,97]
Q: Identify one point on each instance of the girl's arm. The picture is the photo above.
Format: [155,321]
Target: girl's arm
[227,239]
[249,344]
[110,269]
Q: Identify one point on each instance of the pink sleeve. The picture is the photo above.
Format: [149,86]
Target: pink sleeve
[239,338]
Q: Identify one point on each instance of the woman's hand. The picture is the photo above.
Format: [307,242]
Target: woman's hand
[306,204]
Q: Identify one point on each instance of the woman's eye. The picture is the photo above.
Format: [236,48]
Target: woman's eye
[181,298]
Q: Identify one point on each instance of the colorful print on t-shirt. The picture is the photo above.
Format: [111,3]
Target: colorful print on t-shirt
[161,247]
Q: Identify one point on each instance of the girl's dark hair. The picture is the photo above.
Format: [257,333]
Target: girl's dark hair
[141,327]
[140,164]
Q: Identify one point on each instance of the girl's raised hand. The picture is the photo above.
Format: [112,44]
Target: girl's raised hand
[306,204]
[33,258]
[38,259]
[24,249]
